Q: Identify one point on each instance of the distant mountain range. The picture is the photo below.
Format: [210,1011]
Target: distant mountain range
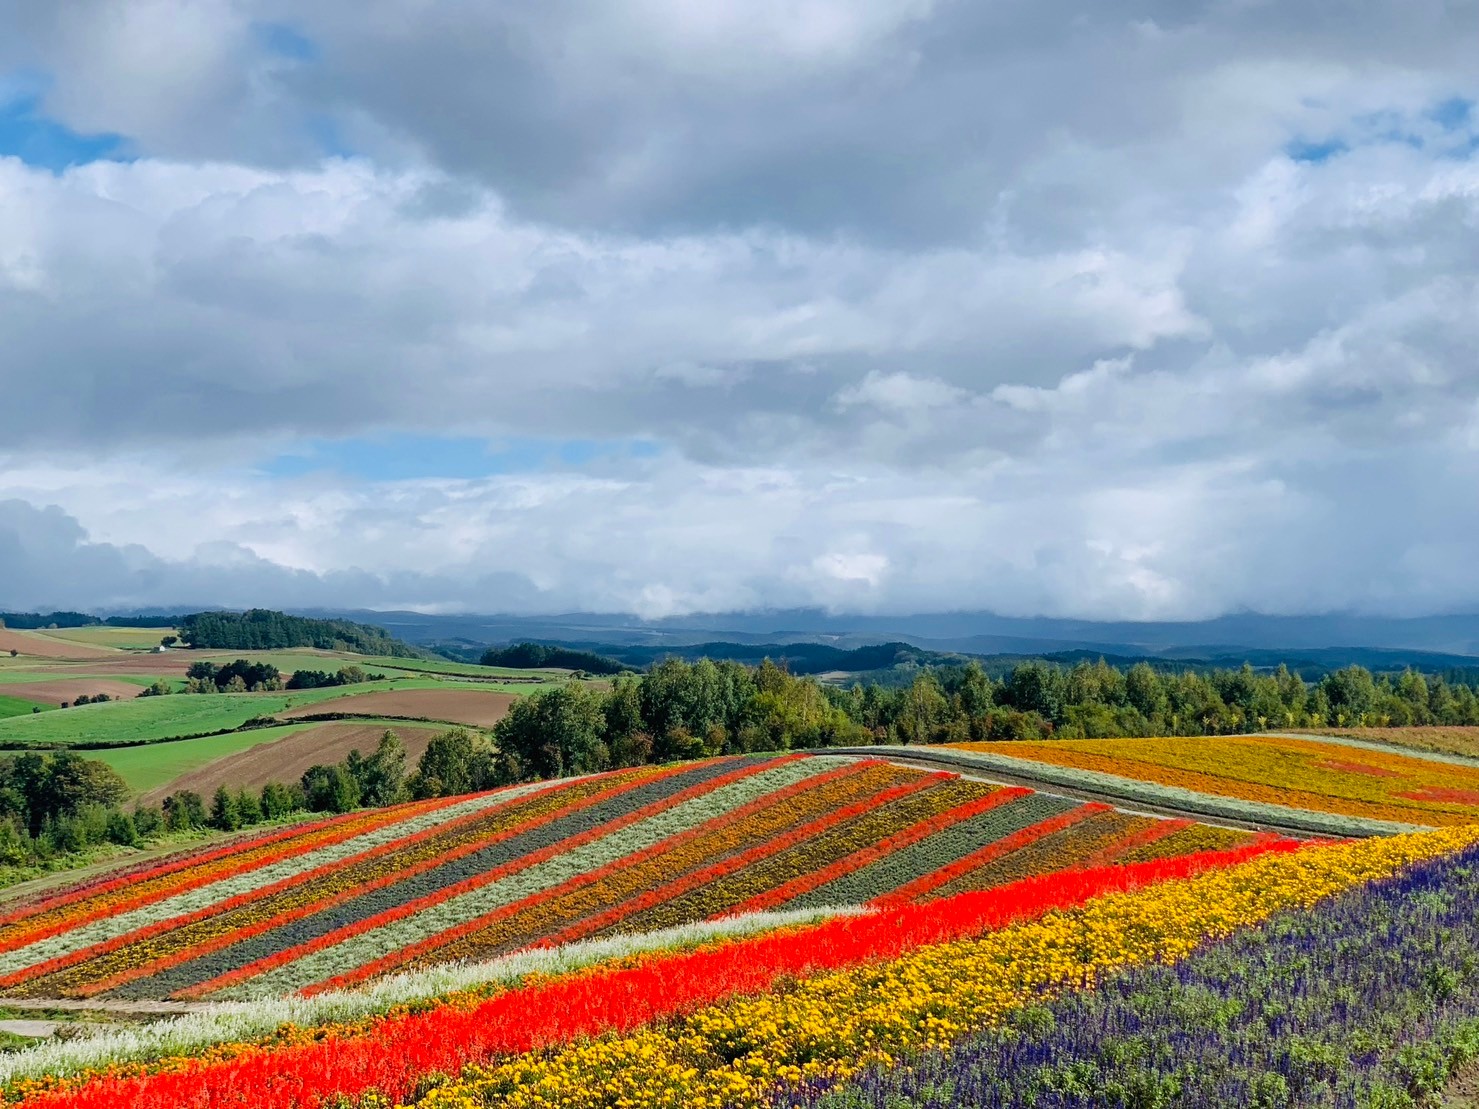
[1431,642]
[1313,643]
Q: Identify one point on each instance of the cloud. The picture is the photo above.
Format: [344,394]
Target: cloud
[1076,309]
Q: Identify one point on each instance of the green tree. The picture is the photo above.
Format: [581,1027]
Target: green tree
[454,762]
[923,712]
[556,733]
[381,776]
[248,807]
[184,810]
[277,801]
[224,814]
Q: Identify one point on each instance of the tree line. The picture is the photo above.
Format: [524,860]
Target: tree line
[261,629]
[57,807]
[540,656]
[681,710]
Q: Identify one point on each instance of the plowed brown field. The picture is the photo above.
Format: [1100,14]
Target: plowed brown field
[69,689]
[284,760]
[457,706]
[42,646]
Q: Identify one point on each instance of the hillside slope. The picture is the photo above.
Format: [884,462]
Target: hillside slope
[350,899]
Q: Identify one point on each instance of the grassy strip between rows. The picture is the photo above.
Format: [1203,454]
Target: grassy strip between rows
[1134,791]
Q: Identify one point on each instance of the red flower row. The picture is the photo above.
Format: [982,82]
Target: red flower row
[414,952]
[409,908]
[397,1050]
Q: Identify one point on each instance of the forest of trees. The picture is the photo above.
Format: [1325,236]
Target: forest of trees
[536,656]
[679,710]
[56,808]
[34,620]
[261,629]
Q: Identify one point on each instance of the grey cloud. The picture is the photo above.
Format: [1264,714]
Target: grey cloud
[929,304]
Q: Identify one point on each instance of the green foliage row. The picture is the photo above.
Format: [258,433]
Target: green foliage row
[539,656]
[680,710]
[261,629]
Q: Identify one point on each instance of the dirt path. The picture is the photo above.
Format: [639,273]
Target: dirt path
[32,1029]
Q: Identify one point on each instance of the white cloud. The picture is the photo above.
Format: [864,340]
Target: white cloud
[924,305]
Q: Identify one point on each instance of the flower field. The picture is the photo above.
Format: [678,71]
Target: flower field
[757,932]
[1281,770]
[348,901]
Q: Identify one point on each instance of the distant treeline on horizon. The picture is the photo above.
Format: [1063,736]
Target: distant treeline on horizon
[257,629]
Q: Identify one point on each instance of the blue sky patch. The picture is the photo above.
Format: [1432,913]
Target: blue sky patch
[286,42]
[27,134]
[1305,150]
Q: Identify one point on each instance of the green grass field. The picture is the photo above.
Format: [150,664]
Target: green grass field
[456,669]
[155,764]
[153,718]
[105,636]
[14,706]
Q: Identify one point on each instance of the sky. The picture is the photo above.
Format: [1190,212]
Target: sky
[1072,307]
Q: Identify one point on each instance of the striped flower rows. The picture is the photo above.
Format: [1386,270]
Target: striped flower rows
[175,940]
[738,1051]
[1303,773]
[393,1054]
[561,909]
[351,900]
[1211,803]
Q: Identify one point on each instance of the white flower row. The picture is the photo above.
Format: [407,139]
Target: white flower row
[248,1021]
[357,950]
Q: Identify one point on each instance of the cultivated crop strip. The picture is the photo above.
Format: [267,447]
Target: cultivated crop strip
[347,901]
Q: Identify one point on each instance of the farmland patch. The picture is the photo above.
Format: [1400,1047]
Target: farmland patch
[37,645]
[473,707]
[283,754]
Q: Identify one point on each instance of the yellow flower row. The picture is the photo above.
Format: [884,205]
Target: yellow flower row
[807,856]
[1304,773]
[737,1052]
[1190,840]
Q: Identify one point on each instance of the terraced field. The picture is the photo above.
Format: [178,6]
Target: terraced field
[350,900]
